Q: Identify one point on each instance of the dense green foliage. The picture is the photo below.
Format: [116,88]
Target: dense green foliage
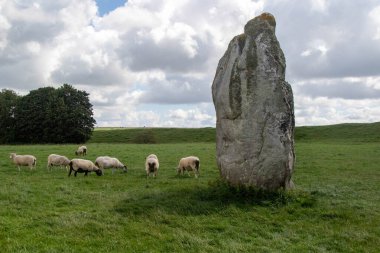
[46,115]
[8,103]
[335,207]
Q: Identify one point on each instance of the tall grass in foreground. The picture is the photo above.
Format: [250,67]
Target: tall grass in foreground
[335,207]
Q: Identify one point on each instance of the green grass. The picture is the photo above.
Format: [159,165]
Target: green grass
[153,135]
[335,207]
[353,133]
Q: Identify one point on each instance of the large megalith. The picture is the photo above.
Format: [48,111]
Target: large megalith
[254,110]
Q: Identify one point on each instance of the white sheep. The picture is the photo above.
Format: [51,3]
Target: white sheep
[82,150]
[83,166]
[106,162]
[151,165]
[57,160]
[190,163]
[24,160]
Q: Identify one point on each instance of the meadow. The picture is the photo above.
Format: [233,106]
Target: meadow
[334,208]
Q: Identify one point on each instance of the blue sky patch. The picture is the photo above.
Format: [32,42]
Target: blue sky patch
[106,6]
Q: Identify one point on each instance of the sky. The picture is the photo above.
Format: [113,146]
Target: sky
[152,62]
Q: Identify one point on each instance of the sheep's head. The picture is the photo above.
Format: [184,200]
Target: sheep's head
[11,155]
[152,166]
[99,172]
[125,169]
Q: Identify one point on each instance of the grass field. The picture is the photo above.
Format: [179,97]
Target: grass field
[153,135]
[335,207]
[342,133]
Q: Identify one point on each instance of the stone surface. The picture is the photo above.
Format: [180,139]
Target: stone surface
[254,109]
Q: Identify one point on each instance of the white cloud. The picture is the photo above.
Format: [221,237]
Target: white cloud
[375,17]
[353,88]
[325,111]
[152,62]
[189,118]
[319,5]
[4,27]
[306,53]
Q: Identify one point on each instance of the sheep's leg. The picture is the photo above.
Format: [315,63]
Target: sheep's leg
[18,168]
[75,173]
[85,173]
[70,172]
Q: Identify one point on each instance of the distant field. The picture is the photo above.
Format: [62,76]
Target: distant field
[354,133]
[335,207]
[153,135]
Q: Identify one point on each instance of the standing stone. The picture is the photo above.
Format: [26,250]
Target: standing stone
[254,110]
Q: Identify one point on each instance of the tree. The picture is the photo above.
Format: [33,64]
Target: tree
[49,115]
[77,114]
[33,124]
[8,103]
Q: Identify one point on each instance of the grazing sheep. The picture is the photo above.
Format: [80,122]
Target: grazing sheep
[151,165]
[24,160]
[57,160]
[190,163]
[105,162]
[82,150]
[83,166]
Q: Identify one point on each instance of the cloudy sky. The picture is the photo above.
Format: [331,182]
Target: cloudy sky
[152,62]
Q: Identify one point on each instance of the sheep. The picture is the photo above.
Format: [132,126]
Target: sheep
[190,163]
[57,160]
[83,166]
[151,165]
[24,160]
[105,162]
[82,150]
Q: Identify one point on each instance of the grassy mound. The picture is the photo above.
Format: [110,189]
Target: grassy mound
[353,133]
[360,132]
[153,135]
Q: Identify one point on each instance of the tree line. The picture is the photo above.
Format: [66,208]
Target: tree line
[46,115]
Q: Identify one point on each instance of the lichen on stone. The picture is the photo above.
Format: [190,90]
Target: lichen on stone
[241,42]
[269,18]
[235,92]
[251,65]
